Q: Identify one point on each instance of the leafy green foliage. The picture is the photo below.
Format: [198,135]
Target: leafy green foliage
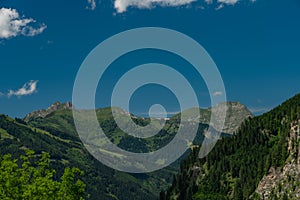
[24,179]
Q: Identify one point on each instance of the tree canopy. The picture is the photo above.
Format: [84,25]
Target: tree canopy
[30,177]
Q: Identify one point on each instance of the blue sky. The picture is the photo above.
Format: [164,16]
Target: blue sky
[255,44]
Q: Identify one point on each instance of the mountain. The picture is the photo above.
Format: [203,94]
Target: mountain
[52,130]
[236,113]
[43,113]
[55,134]
[260,161]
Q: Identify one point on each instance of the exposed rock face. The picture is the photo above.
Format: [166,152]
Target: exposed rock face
[236,113]
[43,113]
[285,183]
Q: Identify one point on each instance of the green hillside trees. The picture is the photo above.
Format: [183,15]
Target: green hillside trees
[30,177]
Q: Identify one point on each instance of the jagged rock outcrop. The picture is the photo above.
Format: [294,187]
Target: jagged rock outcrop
[44,113]
[284,183]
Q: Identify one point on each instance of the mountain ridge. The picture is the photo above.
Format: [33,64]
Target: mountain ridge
[232,122]
[52,130]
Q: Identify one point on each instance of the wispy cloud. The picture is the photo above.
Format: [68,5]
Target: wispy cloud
[219,7]
[27,89]
[217,93]
[228,2]
[122,5]
[91,5]
[12,24]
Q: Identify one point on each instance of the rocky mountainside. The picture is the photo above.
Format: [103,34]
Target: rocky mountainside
[284,182]
[236,113]
[45,112]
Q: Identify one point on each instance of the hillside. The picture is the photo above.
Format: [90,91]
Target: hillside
[260,161]
[52,130]
[56,134]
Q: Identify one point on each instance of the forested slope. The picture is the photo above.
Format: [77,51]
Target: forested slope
[235,167]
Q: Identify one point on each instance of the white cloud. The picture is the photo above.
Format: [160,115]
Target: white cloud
[27,89]
[92,5]
[122,5]
[12,24]
[229,2]
[218,93]
[219,7]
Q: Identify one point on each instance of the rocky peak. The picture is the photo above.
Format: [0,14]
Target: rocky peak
[236,113]
[44,113]
[59,106]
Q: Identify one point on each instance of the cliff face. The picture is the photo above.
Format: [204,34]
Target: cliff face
[284,183]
